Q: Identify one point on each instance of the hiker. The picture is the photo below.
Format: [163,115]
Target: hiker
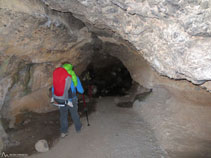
[66,97]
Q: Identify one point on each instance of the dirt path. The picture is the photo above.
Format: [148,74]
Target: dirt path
[114,133]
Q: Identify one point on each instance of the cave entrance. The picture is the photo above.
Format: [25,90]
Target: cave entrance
[106,76]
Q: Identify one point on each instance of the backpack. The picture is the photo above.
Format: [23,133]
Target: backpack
[61,84]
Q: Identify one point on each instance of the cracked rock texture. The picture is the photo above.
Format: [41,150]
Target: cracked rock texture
[172,35]
[33,41]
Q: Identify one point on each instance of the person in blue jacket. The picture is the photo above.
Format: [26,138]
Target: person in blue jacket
[72,108]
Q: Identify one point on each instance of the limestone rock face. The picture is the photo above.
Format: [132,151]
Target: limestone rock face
[173,36]
[33,41]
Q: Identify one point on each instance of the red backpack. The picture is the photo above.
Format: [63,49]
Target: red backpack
[61,83]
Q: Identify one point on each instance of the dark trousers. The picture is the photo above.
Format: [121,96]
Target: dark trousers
[74,115]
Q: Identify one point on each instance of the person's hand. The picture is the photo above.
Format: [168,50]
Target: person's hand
[52,100]
[69,103]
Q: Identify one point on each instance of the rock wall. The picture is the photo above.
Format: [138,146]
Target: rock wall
[33,41]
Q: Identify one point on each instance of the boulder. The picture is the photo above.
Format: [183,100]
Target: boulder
[42,146]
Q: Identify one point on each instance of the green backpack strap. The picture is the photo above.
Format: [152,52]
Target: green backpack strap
[74,77]
[69,69]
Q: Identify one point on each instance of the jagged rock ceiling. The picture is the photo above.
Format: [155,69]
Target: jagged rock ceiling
[173,36]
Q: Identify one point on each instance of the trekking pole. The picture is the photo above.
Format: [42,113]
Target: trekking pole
[86,111]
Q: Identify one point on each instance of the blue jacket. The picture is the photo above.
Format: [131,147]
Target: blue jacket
[74,89]
[78,88]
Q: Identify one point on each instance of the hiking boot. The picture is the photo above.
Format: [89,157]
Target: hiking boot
[63,135]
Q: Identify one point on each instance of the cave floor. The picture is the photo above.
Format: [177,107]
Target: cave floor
[31,127]
[114,132]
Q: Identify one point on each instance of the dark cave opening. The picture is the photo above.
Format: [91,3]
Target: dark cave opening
[106,76]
